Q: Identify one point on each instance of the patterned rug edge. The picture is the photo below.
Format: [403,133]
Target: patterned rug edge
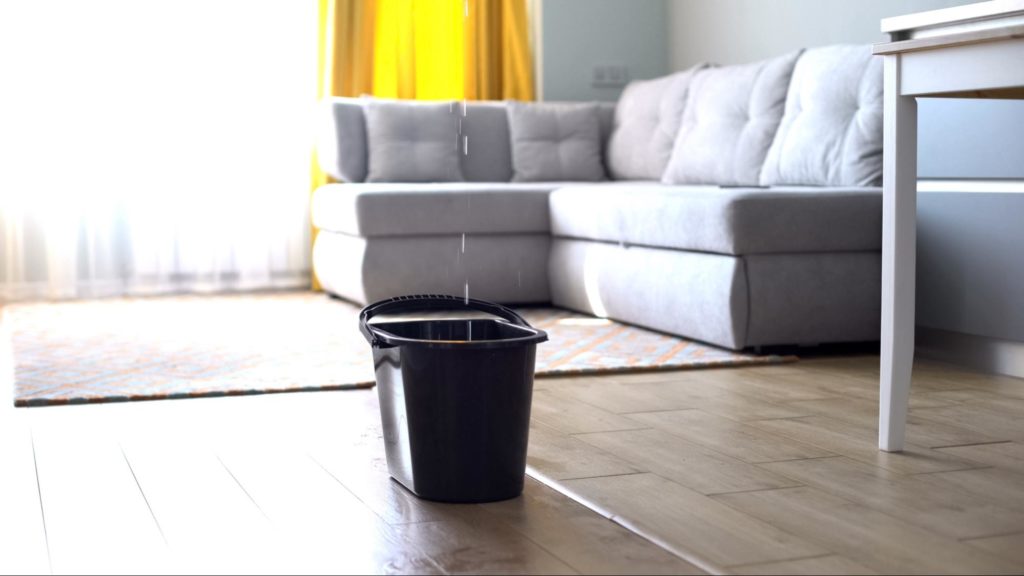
[549,374]
[78,400]
[694,365]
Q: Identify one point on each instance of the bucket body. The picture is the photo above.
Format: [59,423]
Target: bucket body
[455,401]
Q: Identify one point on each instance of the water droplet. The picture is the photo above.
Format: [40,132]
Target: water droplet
[467,293]
[470,324]
[463,242]
[464,109]
[465,145]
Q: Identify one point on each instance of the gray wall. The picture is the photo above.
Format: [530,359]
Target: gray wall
[737,31]
[970,264]
[578,35]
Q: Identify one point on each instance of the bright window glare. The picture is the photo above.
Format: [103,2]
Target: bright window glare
[187,119]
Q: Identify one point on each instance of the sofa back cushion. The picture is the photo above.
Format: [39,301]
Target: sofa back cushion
[341,139]
[412,141]
[831,133]
[554,142]
[729,123]
[647,118]
[487,152]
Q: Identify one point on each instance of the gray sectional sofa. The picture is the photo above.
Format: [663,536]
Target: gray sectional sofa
[736,205]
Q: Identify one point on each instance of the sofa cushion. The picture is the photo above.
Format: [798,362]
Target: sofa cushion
[487,154]
[831,133]
[647,118]
[729,123]
[419,209]
[734,221]
[341,139]
[412,142]
[555,141]
[701,296]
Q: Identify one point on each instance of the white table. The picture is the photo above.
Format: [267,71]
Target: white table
[970,51]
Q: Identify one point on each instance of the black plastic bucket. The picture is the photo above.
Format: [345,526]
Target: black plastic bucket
[454,396]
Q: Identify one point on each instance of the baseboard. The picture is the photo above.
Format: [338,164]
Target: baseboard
[978,352]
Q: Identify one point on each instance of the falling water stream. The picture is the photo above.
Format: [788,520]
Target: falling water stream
[462,144]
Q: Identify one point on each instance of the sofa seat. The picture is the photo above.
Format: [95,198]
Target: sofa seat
[380,240]
[757,266]
[734,221]
[409,209]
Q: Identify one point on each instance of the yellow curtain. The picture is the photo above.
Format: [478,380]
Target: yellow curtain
[424,50]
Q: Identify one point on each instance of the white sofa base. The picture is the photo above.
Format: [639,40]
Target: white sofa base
[509,268]
[730,301]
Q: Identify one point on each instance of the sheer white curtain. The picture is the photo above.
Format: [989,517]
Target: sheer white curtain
[151,146]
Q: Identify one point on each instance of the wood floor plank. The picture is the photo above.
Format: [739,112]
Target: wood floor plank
[991,401]
[1006,455]
[371,483]
[558,456]
[570,416]
[589,543]
[691,465]
[319,524]
[981,419]
[745,408]
[211,523]
[467,545]
[999,485]
[923,432]
[23,546]
[860,442]
[97,519]
[831,564]
[932,374]
[922,500]
[696,527]
[870,537]
[375,488]
[789,387]
[729,437]
[1010,546]
[623,397]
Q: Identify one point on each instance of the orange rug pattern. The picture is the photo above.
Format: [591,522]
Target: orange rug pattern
[193,346]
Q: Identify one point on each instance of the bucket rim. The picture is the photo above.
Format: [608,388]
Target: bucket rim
[380,338]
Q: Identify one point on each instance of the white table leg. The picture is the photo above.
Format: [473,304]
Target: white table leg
[899,234]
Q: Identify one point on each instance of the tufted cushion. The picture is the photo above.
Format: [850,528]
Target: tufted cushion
[412,142]
[729,123]
[647,118]
[555,142]
[831,133]
[341,139]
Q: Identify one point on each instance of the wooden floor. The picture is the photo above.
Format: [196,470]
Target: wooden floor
[754,470]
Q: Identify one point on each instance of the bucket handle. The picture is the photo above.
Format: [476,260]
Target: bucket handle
[420,302]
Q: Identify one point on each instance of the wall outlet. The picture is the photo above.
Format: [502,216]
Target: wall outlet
[610,76]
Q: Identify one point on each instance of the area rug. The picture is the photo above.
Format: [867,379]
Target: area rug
[193,346]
